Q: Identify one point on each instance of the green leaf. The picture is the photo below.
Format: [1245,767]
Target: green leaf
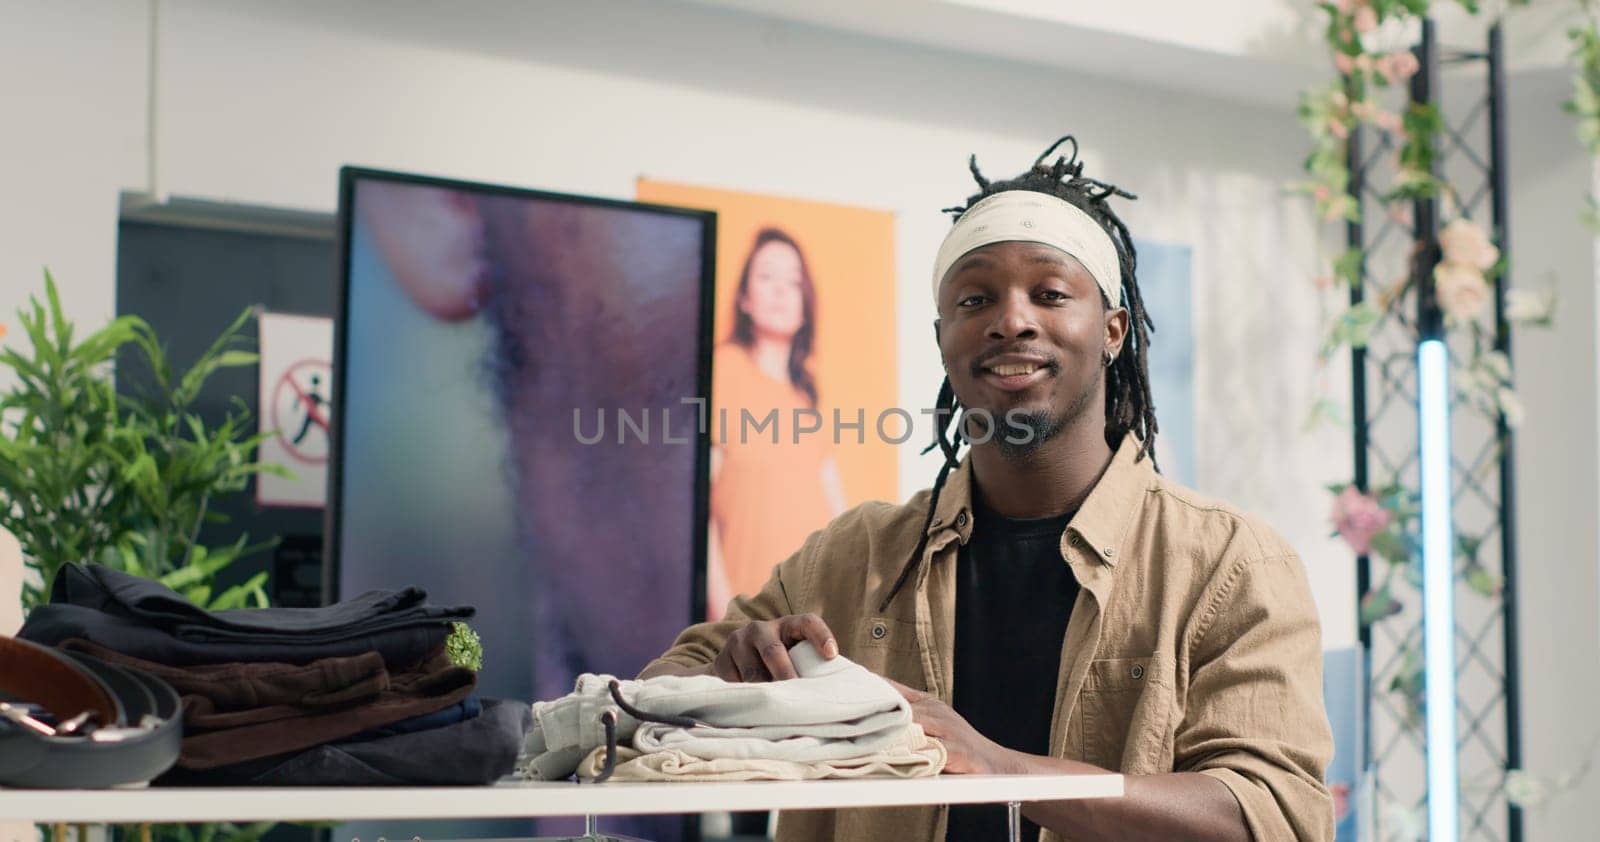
[1482,581]
[1391,545]
[234,359]
[1347,267]
[198,594]
[238,595]
[1325,412]
[1352,328]
[1378,605]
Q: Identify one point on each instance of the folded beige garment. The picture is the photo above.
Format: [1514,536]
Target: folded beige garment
[919,756]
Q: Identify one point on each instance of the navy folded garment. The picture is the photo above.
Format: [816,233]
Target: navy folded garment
[472,752]
[115,592]
[53,623]
[459,712]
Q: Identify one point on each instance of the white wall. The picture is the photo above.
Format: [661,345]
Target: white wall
[262,102]
[71,122]
[1558,456]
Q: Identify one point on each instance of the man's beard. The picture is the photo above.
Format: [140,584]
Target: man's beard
[1021,434]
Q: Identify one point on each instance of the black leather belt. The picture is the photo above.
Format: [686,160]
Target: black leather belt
[70,721]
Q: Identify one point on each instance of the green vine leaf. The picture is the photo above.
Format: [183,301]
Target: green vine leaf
[1378,605]
[1392,546]
[1348,267]
[1353,328]
[1481,581]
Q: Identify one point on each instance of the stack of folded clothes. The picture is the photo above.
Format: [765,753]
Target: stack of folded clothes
[364,692]
[837,720]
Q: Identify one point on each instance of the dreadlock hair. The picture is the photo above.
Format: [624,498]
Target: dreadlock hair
[1128,404]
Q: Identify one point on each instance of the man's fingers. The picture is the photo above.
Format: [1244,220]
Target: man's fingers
[767,644]
[810,627]
[910,694]
[724,667]
[751,668]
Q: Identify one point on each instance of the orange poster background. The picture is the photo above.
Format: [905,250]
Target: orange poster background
[850,254]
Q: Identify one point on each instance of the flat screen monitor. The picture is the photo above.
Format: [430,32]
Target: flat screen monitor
[516,419]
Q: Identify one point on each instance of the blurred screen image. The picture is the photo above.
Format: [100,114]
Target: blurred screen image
[485,333]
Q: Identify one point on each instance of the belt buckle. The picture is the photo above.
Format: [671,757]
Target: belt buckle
[21,716]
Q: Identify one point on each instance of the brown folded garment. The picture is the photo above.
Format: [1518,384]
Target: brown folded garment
[239,712]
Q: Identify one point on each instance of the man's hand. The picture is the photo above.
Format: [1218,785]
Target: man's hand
[970,753]
[760,650]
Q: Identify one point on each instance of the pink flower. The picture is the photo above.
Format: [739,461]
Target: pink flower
[1320,193]
[1390,122]
[1341,800]
[1464,242]
[1402,66]
[1363,110]
[1343,63]
[1383,66]
[1337,128]
[1364,62]
[1358,517]
[1344,6]
[1396,67]
[1324,281]
[1366,19]
[1461,290]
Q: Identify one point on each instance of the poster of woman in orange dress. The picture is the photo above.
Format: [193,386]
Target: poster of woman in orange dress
[763,365]
[800,344]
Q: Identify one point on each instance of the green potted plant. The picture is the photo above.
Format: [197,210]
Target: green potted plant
[125,480]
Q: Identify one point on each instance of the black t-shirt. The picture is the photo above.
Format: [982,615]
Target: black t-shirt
[1014,594]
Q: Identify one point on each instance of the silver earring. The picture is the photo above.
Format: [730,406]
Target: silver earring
[1110,358]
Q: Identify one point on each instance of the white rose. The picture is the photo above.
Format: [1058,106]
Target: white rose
[1464,242]
[1396,32]
[1461,290]
[1526,306]
[1511,407]
[1523,789]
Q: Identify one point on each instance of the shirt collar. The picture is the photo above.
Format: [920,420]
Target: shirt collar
[1102,520]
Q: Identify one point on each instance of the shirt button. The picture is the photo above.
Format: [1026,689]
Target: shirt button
[1109,552]
[1138,671]
[879,630]
[961,519]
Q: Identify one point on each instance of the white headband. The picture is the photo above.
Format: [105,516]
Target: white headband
[1032,217]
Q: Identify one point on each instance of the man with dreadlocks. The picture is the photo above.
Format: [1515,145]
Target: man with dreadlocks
[1053,604]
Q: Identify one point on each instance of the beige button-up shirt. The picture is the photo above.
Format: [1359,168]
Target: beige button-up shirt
[1194,644]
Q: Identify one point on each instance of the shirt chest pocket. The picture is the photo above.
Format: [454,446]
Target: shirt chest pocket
[888,647]
[1127,709]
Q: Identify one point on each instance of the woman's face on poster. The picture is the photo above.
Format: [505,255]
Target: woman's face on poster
[774,299]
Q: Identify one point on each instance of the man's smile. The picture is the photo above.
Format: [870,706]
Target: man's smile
[1013,372]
